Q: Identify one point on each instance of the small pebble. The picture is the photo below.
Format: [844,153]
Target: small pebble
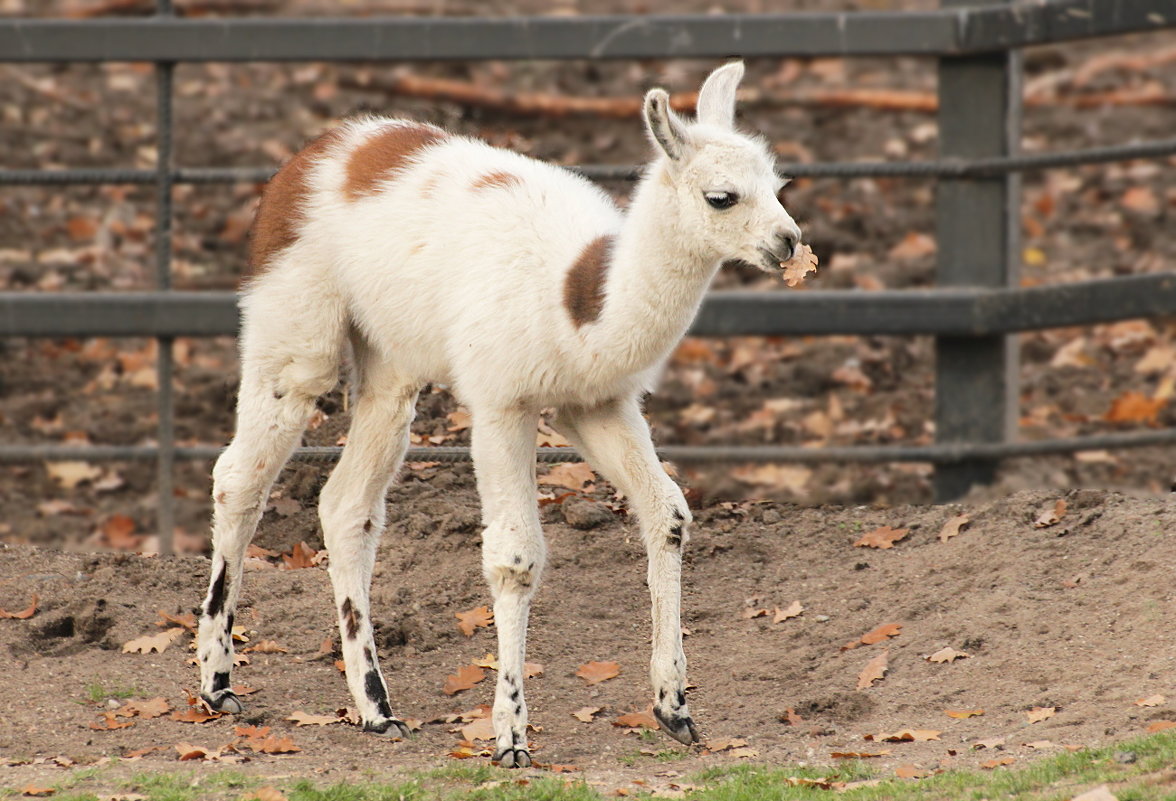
[112,703]
[822,618]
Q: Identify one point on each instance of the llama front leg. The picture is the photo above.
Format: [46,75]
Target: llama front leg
[267,430]
[614,437]
[513,555]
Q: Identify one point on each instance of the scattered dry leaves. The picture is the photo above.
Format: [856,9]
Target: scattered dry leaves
[909,771]
[478,729]
[874,670]
[300,718]
[573,475]
[586,713]
[187,621]
[151,708]
[1151,700]
[637,720]
[998,762]
[152,643]
[23,614]
[948,654]
[1160,725]
[465,678]
[962,714]
[1051,515]
[953,527]
[879,634]
[302,556]
[479,617]
[794,610]
[596,672]
[33,791]
[70,474]
[1040,713]
[882,537]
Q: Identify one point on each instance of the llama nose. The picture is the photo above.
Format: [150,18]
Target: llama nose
[786,244]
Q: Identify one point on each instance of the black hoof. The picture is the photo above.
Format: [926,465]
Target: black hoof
[391,727]
[512,758]
[224,701]
[680,727]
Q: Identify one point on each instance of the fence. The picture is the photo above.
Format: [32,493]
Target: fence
[971,315]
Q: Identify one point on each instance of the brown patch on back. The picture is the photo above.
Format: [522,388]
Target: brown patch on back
[386,151]
[497,180]
[584,285]
[280,212]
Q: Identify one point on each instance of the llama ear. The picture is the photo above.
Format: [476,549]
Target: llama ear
[666,128]
[716,98]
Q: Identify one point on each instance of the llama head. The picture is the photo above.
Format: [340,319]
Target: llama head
[725,183]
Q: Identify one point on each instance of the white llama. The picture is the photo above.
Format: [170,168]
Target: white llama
[518,284]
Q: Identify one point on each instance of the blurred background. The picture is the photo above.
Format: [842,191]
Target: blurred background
[869,233]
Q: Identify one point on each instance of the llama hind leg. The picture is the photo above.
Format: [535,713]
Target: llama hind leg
[268,428]
[352,510]
[614,437]
[513,555]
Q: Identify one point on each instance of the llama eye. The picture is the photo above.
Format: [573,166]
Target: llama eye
[721,200]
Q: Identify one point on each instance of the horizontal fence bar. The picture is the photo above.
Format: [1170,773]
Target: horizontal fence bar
[945,32]
[938,453]
[945,312]
[944,168]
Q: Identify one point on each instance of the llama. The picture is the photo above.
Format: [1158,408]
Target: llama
[439,258]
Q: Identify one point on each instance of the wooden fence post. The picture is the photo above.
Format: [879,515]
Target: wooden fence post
[978,231]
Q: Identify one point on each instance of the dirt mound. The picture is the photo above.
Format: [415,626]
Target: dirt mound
[1074,616]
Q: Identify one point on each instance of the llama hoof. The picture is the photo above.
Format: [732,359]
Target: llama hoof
[512,758]
[224,701]
[680,727]
[390,727]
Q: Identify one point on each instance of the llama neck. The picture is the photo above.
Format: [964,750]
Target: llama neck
[656,281]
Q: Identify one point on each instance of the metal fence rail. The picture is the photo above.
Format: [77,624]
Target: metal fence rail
[977,306]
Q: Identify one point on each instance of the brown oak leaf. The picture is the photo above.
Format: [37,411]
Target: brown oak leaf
[596,672]
[23,614]
[794,610]
[586,713]
[1040,713]
[948,654]
[465,678]
[882,537]
[803,262]
[874,670]
[953,527]
[479,617]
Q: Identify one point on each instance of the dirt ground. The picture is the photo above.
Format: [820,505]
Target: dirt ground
[1072,616]
[1075,616]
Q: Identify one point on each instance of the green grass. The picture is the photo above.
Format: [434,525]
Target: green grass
[96,692]
[1058,778]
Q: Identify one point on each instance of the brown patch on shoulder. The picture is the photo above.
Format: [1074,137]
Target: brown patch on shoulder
[497,180]
[386,151]
[279,213]
[584,285]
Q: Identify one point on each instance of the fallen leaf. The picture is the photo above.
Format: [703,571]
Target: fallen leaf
[961,714]
[1160,725]
[480,729]
[637,720]
[34,791]
[194,715]
[1040,713]
[1134,407]
[479,617]
[188,752]
[573,475]
[793,610]
[953,527]
[152,708]
[1051,514]
[874,670]
[586,713]
[908,771]
[750,612]
[266,793]
[1139,199]
[860,754]
[803,262]
[725,744]
[110,724]
[273,745]
[791,718]
[1039,745]
[152,643]
[948,654]
[257,552]
[906,736]
[187,621]
[265,647]
[1151,700]
[989,742]
[23,614]
[793,478]
[465,678]
[532,670]
[307,719]
[882,537]
[301,556]
[996,763]
[118,532]
[70,474]
[882,633]
[914,245]
[596,672]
